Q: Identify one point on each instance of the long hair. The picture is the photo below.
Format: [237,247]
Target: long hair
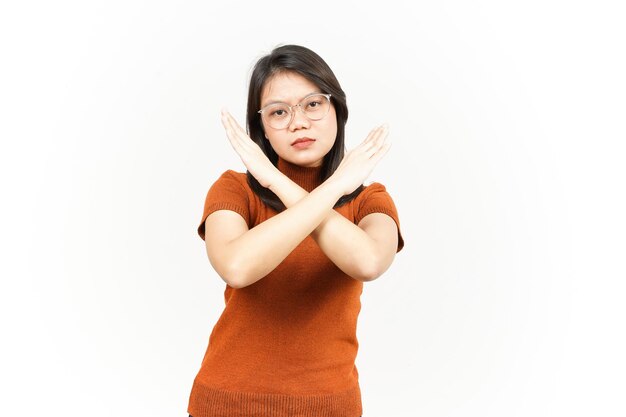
[301,60]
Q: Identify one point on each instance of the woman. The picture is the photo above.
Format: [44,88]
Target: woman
[294,238]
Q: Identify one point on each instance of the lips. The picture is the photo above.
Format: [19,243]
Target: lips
[301,140]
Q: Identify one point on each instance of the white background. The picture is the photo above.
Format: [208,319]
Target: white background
[507,124]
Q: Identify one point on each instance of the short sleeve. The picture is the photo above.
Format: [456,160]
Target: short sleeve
[376,199]
[227,193]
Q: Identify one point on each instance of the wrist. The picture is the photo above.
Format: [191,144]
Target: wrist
[334,186]
[279,180]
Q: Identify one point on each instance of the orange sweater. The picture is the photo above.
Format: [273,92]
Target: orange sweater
[285,345]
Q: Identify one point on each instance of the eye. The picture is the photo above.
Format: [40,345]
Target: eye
[278,112]
[315,104]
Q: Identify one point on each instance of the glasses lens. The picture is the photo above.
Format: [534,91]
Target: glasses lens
[316,106]
[277,115]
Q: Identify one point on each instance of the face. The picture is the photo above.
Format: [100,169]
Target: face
[291,88]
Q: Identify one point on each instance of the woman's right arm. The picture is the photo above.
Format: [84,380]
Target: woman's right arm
[242,256]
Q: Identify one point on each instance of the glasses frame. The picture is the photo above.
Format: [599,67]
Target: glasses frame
[300,106]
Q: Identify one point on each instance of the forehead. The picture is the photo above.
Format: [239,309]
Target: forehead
[287,87]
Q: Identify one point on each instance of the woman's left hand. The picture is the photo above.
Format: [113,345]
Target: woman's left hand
[250,153]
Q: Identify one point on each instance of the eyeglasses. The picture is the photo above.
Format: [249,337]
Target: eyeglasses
[280,115]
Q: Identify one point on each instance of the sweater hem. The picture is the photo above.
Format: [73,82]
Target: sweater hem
[207,401]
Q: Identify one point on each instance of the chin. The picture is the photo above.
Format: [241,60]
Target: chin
[299,159]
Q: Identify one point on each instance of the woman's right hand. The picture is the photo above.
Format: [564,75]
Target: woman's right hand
[358,163]
[250,153]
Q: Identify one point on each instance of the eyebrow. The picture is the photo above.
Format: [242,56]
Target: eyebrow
[276,101]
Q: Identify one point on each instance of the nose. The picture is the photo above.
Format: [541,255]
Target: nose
[298,120]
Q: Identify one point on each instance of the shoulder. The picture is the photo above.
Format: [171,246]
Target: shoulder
[374,199]
[231,180]
[230,191]
[234,175]
[373,187]
[373,190]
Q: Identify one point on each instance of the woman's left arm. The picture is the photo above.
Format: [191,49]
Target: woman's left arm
[364,251]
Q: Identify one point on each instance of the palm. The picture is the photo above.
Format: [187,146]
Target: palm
[357,164]
[250,153]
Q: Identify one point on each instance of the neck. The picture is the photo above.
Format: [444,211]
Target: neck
[306,177]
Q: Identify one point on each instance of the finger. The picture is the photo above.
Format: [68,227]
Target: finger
[379,132]
[235,142]
[377,141]
[237,128]
[227,128]
[370,142]
[372,135]
[233,130]
[228,122]
[382,151]
[240,134]
[233,123]
[224,117]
